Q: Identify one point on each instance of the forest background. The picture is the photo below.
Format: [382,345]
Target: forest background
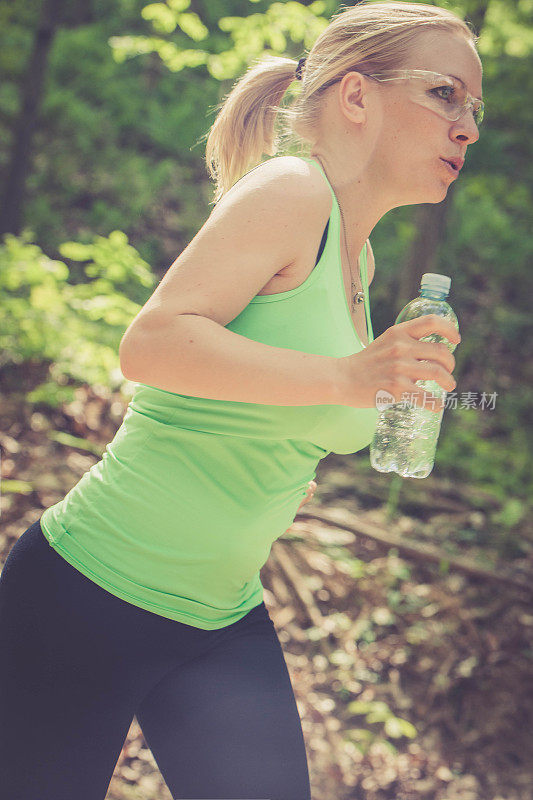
[103,106]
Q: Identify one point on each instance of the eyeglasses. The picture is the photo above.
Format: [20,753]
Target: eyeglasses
[444,94]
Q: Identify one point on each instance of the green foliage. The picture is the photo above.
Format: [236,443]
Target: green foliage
[112,142]
[75,441]
[377,713]
[273,31]
[395,487]
[16,487]
[77,328]
[468,451]
[115,265]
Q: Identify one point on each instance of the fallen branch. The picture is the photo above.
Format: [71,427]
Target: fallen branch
[291,573]
[418,550]
[439,488]
[280,558]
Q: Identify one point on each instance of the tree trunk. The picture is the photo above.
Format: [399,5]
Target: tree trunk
[18,166]
[430,224]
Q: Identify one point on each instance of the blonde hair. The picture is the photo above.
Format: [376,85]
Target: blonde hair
[368,37]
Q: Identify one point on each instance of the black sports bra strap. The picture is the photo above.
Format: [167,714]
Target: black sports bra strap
[322,243]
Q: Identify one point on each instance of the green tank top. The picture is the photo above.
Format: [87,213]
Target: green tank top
[179,515]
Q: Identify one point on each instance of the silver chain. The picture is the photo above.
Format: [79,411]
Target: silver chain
[357,296]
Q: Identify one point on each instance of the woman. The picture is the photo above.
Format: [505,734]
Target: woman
[139,593]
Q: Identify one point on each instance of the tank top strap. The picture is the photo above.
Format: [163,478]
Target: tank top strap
[333,196]
[363,256]
[364,280]
[334,221]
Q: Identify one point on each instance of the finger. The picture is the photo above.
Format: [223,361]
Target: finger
[431,323]
[434,351]
[430,371]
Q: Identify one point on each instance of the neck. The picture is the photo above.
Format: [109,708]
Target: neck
[354,192]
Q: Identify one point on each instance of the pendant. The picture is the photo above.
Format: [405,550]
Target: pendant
[359,297]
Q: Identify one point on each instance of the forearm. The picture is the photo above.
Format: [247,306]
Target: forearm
[193,355]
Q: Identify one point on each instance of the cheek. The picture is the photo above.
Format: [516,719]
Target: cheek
[404,129]
[406,137]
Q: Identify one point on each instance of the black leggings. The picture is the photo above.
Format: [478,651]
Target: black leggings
[216,707]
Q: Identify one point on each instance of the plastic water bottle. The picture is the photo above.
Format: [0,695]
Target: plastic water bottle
[406,436]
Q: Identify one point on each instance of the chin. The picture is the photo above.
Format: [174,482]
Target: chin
[443,191]
[436,194]
[420,197]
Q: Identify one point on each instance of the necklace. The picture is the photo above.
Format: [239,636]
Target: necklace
[358,296]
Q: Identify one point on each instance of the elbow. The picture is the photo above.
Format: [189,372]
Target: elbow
[130,357]
[147,346]
[124,359]
[137,348]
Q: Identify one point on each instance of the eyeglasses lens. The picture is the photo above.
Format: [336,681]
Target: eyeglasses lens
[448,99]
[460,101]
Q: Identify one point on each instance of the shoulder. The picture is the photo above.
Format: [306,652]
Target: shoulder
[285,196]
[286,183]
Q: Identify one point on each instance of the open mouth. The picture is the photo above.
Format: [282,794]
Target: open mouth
[455,169]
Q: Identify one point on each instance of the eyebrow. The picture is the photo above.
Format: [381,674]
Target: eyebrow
[462,81]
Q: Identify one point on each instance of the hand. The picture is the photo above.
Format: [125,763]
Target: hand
[311,486]
[396,360]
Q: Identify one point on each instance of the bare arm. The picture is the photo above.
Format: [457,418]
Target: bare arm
[178,341]
[195,356]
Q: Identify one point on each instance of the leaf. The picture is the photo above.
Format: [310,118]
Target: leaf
[75,441]
[192,25]
[163,18]
[396,727]
[16,487]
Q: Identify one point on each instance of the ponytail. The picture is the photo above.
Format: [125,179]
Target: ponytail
[244,129]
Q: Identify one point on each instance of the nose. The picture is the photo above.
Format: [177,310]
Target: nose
[465,128]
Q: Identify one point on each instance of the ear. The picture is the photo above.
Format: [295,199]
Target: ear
[353,96]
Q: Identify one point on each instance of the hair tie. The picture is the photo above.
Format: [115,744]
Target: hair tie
[298,72]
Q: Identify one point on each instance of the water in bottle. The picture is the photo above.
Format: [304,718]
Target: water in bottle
[406,434]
